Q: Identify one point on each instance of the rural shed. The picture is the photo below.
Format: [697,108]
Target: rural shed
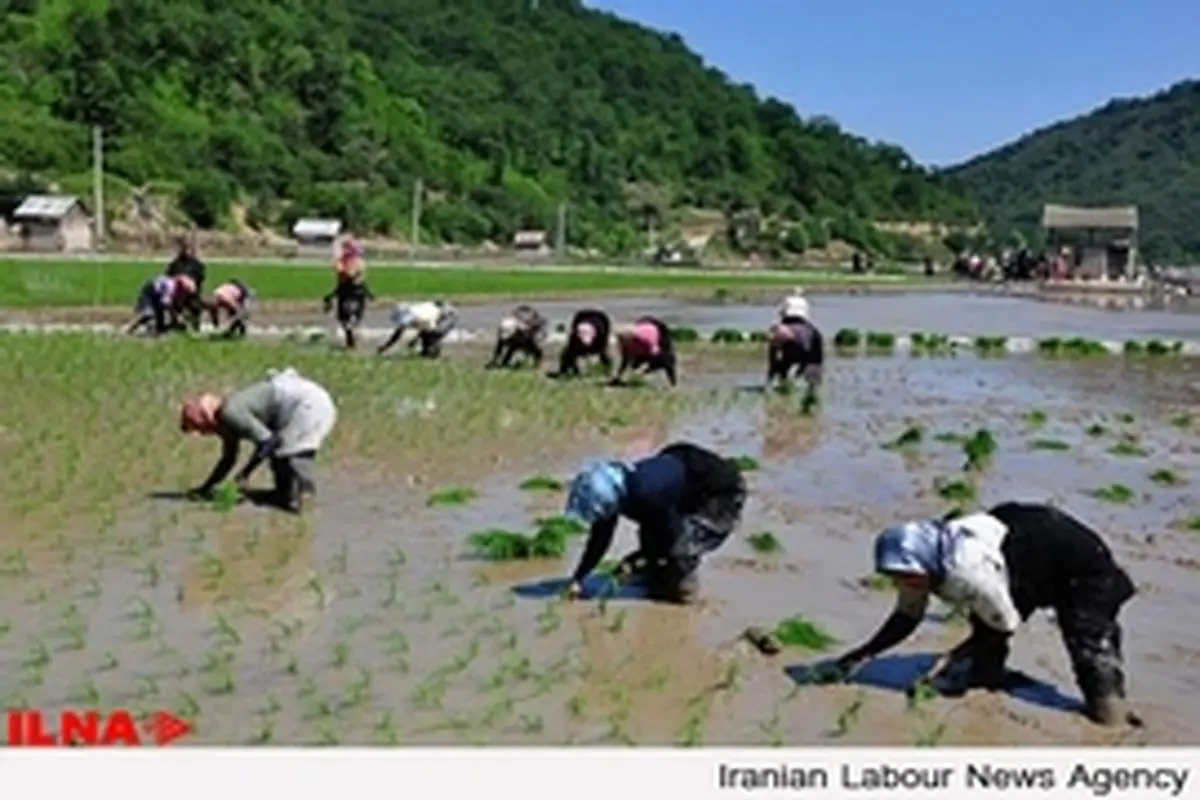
[53,223]
[531,242]
[1102,241]
[317,236]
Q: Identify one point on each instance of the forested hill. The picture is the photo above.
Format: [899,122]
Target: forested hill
[504,108]
[1144,151]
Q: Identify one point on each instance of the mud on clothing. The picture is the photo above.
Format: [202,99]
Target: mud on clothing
[685,500]
[802,350]
[576,349]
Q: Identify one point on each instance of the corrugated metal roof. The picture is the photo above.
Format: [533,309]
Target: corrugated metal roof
[529,238]
[1116,217]
[45,206]
[317,228]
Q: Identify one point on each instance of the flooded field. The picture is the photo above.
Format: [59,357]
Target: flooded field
[371,622]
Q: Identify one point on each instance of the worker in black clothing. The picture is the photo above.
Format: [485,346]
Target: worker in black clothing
[588,335]
[1002,565]
[190,306]
[522,332]
[686,501]
[351,295]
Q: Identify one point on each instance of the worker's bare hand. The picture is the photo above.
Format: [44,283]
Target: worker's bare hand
[573,591]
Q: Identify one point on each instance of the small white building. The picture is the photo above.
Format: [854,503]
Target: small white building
[531,242]
[317,237]
[53,223]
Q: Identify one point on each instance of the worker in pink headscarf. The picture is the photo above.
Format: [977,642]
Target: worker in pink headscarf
[646,347]
[587,336]
[235,300]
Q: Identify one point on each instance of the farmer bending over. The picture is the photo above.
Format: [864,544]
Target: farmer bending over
[186,264]
[795,344]
[1003,565]
[685,500]
[235,299]
[431,321]
[157,303]
[351,295]
[646,347]
[287,417]
[588,336]
[522,332]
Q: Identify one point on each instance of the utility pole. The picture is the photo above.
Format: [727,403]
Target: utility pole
[417,199]
[560,238]
[98,186]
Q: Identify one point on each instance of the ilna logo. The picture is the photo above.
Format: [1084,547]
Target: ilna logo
[91,728]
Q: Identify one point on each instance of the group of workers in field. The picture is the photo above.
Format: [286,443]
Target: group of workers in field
[175,300]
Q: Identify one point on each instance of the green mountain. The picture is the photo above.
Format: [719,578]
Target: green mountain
[503,108]
[1144,151]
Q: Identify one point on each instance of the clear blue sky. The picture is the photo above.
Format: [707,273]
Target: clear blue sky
[946,79]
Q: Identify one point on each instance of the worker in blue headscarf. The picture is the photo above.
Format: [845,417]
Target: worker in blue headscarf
[1001,566]
[686,501]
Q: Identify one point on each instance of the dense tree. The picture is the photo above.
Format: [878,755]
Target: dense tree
[502,109]
[1144,151]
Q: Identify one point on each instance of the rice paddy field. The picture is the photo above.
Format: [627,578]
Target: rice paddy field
[418,601]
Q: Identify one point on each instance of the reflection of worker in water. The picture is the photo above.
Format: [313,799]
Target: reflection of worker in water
[646,347]
[1003,565]
[432,321]
[587,336]
[686,501]
[287,417]
[521,333]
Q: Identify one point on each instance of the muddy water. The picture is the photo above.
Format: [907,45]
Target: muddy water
[367,623]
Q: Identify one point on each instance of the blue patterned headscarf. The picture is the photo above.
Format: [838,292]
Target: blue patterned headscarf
[596,492]
[914,548]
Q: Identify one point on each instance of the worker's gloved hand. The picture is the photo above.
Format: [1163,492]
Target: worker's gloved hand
[573,591]
[199,493]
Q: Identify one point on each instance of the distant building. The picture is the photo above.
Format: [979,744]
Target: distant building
[53,223]
[1101,242]
[317,237]
[531,242]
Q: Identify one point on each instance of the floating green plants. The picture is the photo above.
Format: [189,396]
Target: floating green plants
[684,335]
[764,543]
[1113,493]
[956,491]
[910,438]
[453,496]
[542,483]
[848,339]
[746,463]
[803,633]
[728,336]
[881,343]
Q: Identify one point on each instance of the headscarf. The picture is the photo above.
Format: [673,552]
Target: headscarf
[641,337]
[915,548]
[585,332]
[596,492]
[199,414]
[184,285]
[509,327]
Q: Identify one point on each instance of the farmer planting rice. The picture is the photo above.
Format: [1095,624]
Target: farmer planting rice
[158,303]
[351,295]
[431,321]
[587,336]
[795,344]
[186,264]
[646,347]
[234,300]
[1003,565]
[685,500]
[287,417]
[522,332]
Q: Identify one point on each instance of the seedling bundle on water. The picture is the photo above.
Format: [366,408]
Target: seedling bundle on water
[549,541]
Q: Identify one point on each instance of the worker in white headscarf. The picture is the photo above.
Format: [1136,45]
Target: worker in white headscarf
[1002,565]
[431,321]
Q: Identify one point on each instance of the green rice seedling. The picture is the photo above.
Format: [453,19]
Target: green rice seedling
[1078,347]
[1182,421]
[880,343]
[1050,445]
[909,438]
[1113,493]
[931,737]
[991,345]
[979,450]
[1050,346]
[340,655]
[684,335]
[810,403]
[1035,418]
[1128,447]
[848,717]
[1191,523]
[746,463]
[956,491]
[764,543]
[226,497]
[550,541]
[949,437]
[1157,348]
[1133,348]
[454,496]
[542,483]
[1126,418]
[848,339]
[758,337]
[1096,430]
[800,632]
[728,336]
[1166,477]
